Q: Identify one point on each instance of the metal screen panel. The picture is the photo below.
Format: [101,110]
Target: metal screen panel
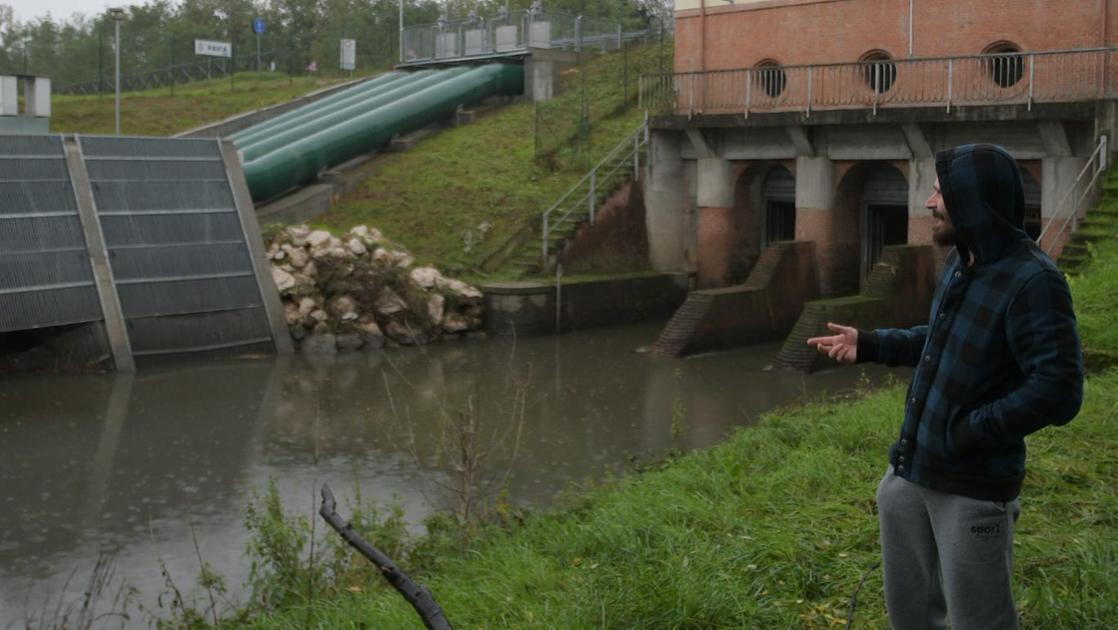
[194,333]
[180,262]
[45,274]
[887,187]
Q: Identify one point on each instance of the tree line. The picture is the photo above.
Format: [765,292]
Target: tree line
[160,33]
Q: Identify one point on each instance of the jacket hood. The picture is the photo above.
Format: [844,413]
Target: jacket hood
[982,189]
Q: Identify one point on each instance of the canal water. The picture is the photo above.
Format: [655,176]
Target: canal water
[157,469]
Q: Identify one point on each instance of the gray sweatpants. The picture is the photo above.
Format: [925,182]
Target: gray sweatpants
[945,556]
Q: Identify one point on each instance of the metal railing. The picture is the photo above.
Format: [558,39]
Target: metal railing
[992,79]
[1077,194]
[214,68]
[622,163]
[518,31]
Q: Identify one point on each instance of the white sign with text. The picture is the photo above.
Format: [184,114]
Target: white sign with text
[213,49]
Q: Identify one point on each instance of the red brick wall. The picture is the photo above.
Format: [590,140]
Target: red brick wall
[792,32]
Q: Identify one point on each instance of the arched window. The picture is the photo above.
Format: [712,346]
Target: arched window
[878,70]
[771,77]
[1006,65]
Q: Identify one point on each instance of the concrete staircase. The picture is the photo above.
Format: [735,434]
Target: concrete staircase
[762,309]
[680,329]
[1100,222]
[560,223]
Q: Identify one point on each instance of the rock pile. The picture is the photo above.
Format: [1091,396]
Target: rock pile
[360,291]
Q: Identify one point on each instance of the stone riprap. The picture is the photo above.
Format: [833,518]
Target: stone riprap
[360,291]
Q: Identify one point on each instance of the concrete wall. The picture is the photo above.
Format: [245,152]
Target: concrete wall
[743,33]
[617,239]
[830,164]
[766,307]
[529,308]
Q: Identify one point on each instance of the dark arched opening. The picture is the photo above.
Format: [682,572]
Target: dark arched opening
[884,213]
[778,198]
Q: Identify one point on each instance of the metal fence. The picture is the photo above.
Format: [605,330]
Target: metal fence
[214,68]
[994,79]
[1076,200]
[518,31]
[580,202]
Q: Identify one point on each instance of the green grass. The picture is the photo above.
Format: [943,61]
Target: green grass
[157,113]
[775,528]
[429,197]
[1096,302]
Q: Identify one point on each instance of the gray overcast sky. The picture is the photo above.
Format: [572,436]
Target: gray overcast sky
[27,10]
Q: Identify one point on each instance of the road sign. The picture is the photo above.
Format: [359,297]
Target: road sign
[349,54]
[258,25]
[213,49]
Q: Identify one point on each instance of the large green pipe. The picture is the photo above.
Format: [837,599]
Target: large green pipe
[364,87]
[301,161]
[297,117]
[281,137]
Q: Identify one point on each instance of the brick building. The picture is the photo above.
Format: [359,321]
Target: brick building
[818,120]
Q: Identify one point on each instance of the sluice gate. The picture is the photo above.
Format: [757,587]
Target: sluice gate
[149,243]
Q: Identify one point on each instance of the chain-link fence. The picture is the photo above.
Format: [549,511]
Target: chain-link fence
[596,90]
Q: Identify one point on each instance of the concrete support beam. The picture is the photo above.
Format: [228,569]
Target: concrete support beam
[917,141]
[1055,138]
[703,149]
[273,308]
[666,202]
[921,183]
[798,134]
[115,327]
[717,225]
[815,183]
[815,214]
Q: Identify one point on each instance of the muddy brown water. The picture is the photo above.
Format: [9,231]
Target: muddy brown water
[140,467]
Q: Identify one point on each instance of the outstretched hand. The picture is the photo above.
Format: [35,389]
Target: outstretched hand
[842,347]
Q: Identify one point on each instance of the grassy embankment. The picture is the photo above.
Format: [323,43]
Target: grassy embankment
[775,528]
[159,113]
[429,198]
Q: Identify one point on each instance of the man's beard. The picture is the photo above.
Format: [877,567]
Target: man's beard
[945,238]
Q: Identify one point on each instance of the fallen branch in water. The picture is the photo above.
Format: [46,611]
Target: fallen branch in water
[419,597]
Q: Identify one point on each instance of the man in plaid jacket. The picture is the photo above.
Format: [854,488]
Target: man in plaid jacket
[998,359]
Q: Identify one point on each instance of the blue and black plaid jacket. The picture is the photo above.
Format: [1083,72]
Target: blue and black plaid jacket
[999,357]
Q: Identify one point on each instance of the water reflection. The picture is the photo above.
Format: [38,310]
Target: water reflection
[139,466]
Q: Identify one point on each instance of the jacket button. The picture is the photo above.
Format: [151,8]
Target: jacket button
[901,459]
[942,316]
[904,442]
[914,400]
[958,274]
[927,358]
[900,469]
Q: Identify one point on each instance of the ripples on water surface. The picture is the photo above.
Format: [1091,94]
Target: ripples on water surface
[131,465]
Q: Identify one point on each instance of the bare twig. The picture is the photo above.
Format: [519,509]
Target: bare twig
[419,597]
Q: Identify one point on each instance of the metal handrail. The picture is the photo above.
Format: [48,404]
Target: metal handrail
[1098,156]
[1002,78]
[611,164]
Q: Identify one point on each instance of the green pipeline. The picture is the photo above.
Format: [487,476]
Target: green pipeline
[280,138]
[301,161]
[247,136]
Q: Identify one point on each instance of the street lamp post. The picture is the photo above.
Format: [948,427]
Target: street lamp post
[118,15]
[401,31]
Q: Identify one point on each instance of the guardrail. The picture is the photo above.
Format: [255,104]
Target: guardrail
[993,79]
[623,161]
[1078,198]
[518,31]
